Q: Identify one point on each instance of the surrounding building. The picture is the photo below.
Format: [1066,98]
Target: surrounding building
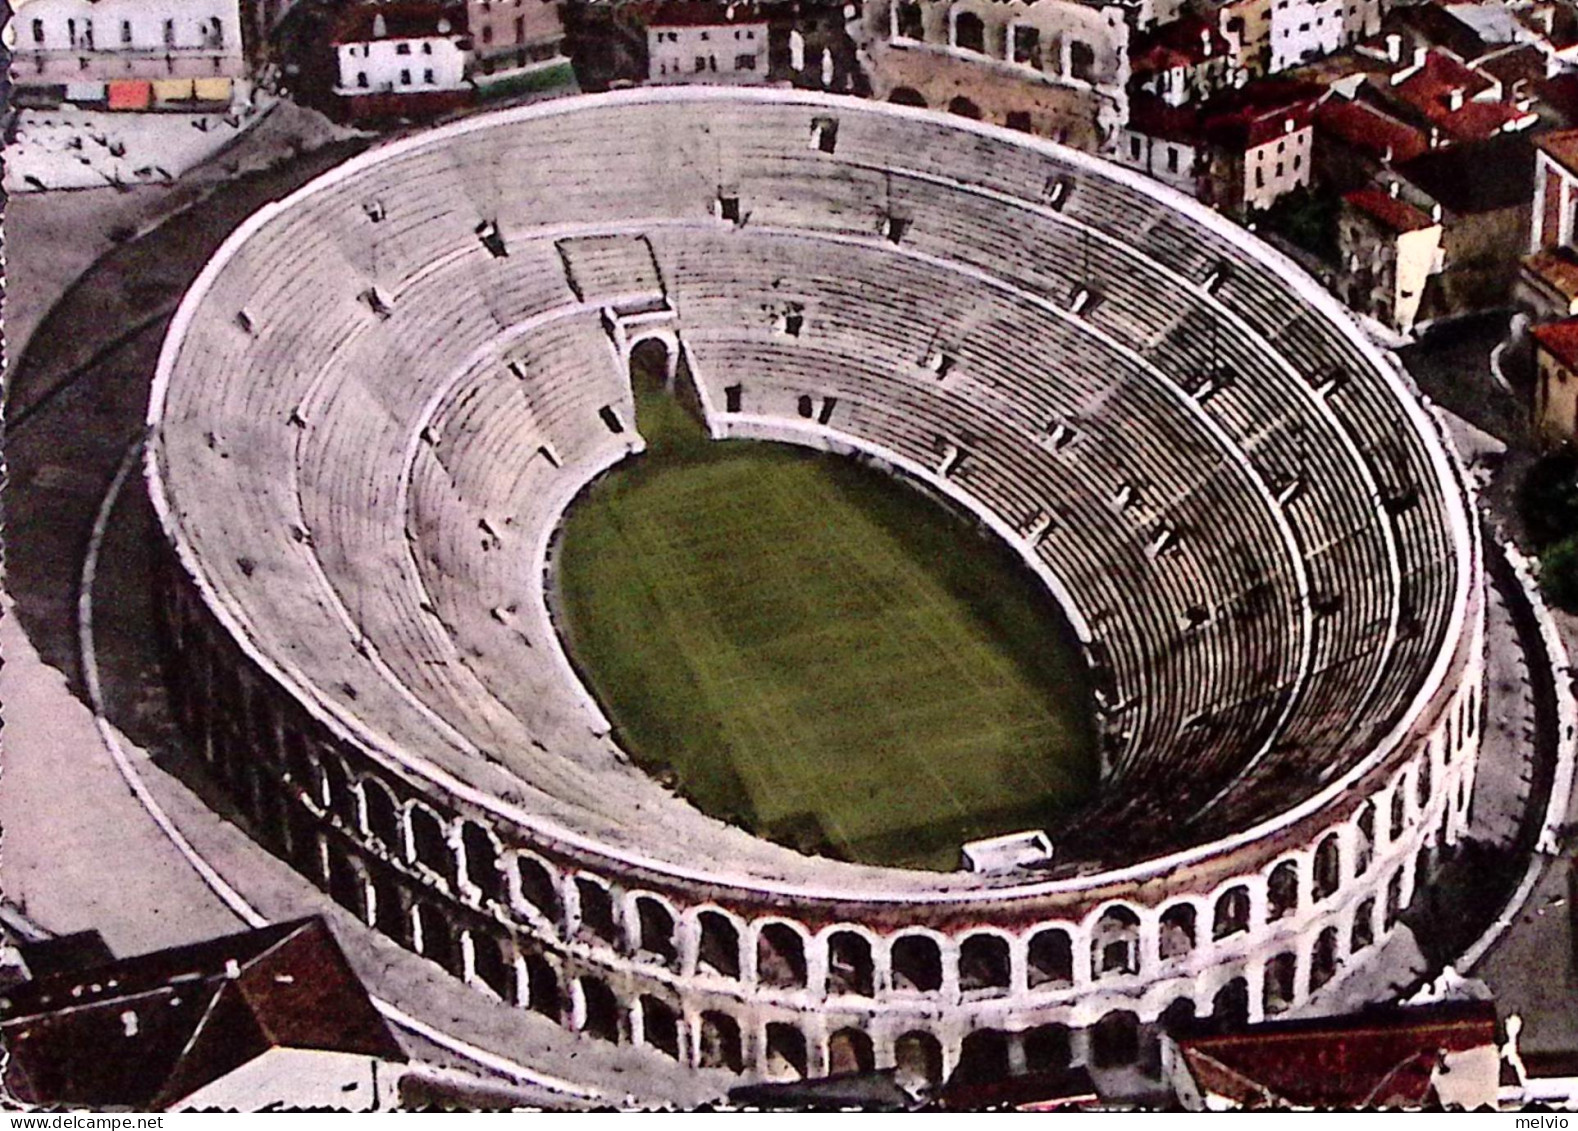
[1246,25]
[239,1022]
[401,59]
[128,54]
[1165,142]
[1388,250]
[1484,191]
[1180,61]
[1056,68]
[1391,1058]
[1555,191]
[1356,141]
[1302,30]
[1556,382]
[707,41]
[510,38]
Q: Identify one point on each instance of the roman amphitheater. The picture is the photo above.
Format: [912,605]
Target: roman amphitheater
[378,399]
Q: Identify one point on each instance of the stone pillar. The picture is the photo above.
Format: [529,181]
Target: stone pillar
[687,937]
[815,966]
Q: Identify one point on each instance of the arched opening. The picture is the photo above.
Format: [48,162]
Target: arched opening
[780,957]
[719,946]
[1328,868]
[338,799]
[849,966]
[963,107]
[1051,959]
[299,766]
[659,1026]
[720,1042]
[655,934]
[1282,891]
[597,910]
[917,1059]
[600,1010]
[849,1050]
[983,1058]
[345,883]
[1232,912]
[1323,960]
[1115,1040]
[1363,933]
[786,1058]
[482,861]
[1175,933]
[390,914]
[383,816]
[542,987]
[910,24]
[1422,782]
[493,968]
[1230,1007]
[651,367]
[1277,995]
[1399,811]
[906,96]
[1394,898]
[538,888]
[1048,1048]
[917,964]
[429,846]
[1364,839]
[1178,1017]
[984,964]
[969,33]
[436,941]
[1115,943]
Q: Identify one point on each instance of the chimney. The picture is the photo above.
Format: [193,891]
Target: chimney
[380,26]
[1435,137]
[1391,189]
[1420,55]
[1205,41]
[1435,212]
[1394,48]
[1455,99]
[1386,155]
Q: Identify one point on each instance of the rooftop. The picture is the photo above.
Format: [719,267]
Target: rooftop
[1184,42]
[1381,1058]
[1391,213]
[1560,340]
[1462,103]
[1369,130]
[398,19]
[1562,148]
[182,1018]
[1557,269]
[704,13]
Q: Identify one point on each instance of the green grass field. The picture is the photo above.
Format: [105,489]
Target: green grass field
[818,653]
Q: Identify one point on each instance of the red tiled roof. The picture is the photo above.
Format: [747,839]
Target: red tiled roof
[1370,131]
[703,13]
[1379,1060]
[1150,116]
[1556,267]
[1560,93]
[1184,42]
[1560,340]
[1561,147]
[1396,215]
[147,1031]
[1237,119]
[402,19]
[1431,90]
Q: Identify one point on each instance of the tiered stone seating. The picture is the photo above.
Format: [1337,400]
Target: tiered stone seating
[386,395]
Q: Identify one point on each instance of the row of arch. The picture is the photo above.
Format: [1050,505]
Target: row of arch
[499,918]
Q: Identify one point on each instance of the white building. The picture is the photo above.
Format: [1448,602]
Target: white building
[700,41]
[1302,30]
[133,54]
[405,50]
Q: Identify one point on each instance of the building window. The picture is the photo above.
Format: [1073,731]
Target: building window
[427,76]
[911,26]
[1298,162]
[1172,159]
[520,29]
[1260,178]
[405,78]
[706,36]
[487,34]
[701,63]
[427,48]
[402,49]
[1279,168]
[361,79]
[745,62]
[169,33]
[1134,148]
[1082,61]
[38,31]
[71,31]
[1027,46]
[126,36]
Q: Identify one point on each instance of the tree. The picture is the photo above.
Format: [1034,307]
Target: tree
[1548,499]
[1559,574]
